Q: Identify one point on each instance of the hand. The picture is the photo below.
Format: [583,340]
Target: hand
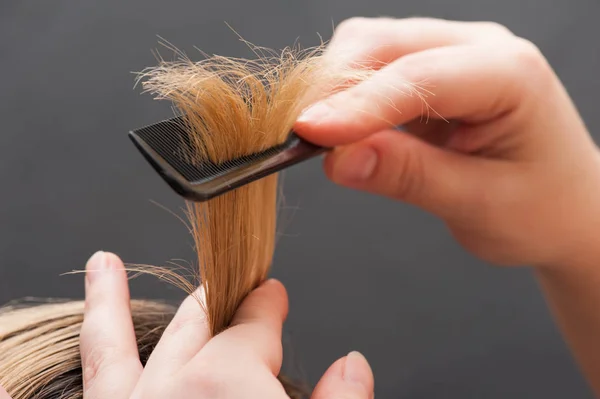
[241,362]
[515,176]
[3,394]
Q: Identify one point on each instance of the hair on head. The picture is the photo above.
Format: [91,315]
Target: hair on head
[233,107]
[39,346]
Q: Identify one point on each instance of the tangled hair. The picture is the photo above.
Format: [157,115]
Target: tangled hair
[233,107]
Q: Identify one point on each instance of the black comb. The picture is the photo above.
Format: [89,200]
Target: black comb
[167,147]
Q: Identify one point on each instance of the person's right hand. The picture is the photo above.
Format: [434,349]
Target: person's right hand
[516,176]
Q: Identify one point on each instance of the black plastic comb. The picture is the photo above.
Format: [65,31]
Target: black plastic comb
[166,146]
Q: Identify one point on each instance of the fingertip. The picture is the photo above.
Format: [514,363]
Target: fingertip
[357,370]
[114,261]
[94,266]
[95,262]
[317,132]
[267,302]
[278,293]
[106,281]
[101,262]
[273,286]
[349,377]
[316,113]
[330,125]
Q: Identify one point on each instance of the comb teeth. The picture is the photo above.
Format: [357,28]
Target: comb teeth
[171,141]
[167,147]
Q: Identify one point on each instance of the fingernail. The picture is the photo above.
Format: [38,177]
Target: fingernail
[315,113]
[96,264]
[357,370]
[355,165]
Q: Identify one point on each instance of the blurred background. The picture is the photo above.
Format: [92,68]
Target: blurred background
[363,273]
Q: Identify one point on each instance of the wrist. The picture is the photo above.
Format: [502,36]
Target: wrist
[577,240]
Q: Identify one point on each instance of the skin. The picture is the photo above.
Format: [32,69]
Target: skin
[514,176]
[504,158]
[243,361]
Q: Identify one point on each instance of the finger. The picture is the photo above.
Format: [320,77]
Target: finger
[348,378]
[255,333]
[472,83]
[374,42]
[109,354]
[183,338]
[402,167]
[3,393]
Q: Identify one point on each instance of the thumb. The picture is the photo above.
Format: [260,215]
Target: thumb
[348,378]
[398,165]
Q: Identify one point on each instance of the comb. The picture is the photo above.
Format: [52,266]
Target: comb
[167,147]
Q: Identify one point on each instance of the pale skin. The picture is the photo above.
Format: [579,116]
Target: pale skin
[515,177]
[242,362]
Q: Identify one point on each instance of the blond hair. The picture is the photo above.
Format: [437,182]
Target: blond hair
[39,347]
[236,107]
[233,107]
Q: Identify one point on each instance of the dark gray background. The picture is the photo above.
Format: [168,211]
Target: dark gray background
[362,272]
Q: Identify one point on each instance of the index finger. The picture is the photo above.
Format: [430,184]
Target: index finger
[374,42]
[472,83]
[109,353]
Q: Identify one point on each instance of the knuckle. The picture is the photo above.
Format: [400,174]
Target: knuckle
[529,58]
[180,323]
[419,21]
[89,334]
[494,27]
[409,176]
[351,26]
[94,360]
[208,382]
[364,28]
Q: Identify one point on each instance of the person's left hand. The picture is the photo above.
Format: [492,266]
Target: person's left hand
[241,362]
[3,393]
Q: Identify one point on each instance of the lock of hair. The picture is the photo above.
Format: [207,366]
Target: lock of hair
[233,133]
